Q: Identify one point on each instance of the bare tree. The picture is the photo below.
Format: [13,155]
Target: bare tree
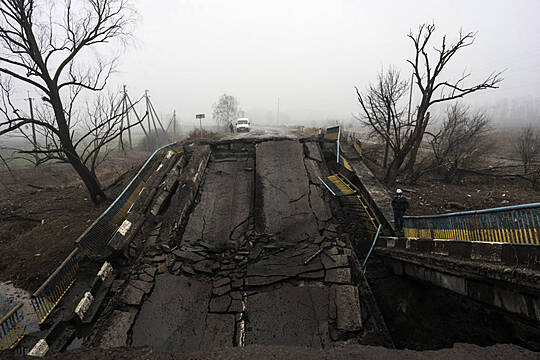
[384,113]
[92,131]
[528,147]
[48,49]
[427,71]
[226,110]
[460,141]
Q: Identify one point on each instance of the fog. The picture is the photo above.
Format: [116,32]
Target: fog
[311,54]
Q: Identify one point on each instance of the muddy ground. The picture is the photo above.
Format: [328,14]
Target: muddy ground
[45,209]
[431,194]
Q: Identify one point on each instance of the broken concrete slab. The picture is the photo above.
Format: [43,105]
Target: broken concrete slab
[285,186]
[131,295]
[338,276]
[264,280]
[313,151]
[188,269]
[221,282]
[179,325]
[116,333]
[349,317]
[220,304]
[290,315]
[221,217]
[222,290]
[141,285]
[145,277]
[125,234]
[312,275]
[150,270]
[158,258]
[204,266]
[188,256]
[236,306]
[219,331]
[334,261]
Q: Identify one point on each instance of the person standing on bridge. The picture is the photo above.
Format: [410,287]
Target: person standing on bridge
[400,205]
[231,127]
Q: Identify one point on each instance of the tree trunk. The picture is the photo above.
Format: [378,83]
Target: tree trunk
[385,161]
[393,170]
[418,137]
[387,146]
[89,179]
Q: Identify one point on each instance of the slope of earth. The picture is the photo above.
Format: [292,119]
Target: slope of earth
[45,209]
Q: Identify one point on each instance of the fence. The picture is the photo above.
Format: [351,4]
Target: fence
[45,299]
[11,330]
[518,224]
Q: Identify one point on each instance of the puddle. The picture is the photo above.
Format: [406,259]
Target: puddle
[11,296]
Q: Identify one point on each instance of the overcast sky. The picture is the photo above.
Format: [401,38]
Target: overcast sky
[311,53]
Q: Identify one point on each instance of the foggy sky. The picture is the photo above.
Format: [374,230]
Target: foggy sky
[311,53]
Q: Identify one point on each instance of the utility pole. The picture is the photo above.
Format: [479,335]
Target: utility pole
[277,115]
[174,123]
[127,118]
[123,112]
[149,114]
[34,141]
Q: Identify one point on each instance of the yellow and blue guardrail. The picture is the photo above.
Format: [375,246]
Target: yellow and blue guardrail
[45,299]
[519,224]
[49,295]
[11,329]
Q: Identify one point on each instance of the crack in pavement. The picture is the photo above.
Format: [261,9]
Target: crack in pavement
[237,226]
[300,198]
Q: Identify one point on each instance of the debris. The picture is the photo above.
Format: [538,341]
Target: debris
[313,256]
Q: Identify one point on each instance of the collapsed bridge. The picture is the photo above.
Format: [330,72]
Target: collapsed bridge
[224,244]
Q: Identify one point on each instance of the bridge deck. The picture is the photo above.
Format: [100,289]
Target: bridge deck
[259,262]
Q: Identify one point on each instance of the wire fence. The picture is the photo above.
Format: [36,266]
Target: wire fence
[11,329]
[518,224]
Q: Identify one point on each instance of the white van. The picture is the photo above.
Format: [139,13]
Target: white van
[242,124]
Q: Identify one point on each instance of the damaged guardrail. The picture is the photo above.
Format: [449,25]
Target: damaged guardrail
[11,330]
[45,299]
[101,230]
[519,224]
[49,295]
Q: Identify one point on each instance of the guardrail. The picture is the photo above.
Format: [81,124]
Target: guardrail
[519,224]
[101,230]
[11,330]
[47,297]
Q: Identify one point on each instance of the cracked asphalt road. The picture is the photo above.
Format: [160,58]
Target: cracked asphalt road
[259,261]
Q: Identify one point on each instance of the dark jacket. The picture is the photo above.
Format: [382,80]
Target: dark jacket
[400,204]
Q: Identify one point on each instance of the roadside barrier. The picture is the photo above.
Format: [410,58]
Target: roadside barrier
[341,187]
[11,330]
[518,224]
[45,299]
[101,230]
